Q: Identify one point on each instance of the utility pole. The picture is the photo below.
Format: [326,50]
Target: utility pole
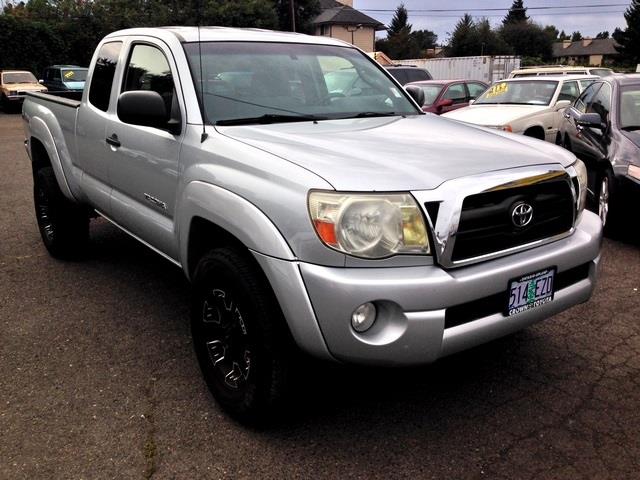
[293,15]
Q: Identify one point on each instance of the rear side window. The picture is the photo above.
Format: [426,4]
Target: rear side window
[417,75]
[456,93]
[399,75]
[475,89]
[103,72]
[148,69]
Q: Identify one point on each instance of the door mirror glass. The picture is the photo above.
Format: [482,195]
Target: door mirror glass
[143,107]
[562,104]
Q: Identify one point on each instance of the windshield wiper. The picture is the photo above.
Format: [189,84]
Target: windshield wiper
[373,114]
[630,128]
[268,118]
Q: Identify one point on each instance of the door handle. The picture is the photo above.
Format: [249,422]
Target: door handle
[566,115]
[113,140]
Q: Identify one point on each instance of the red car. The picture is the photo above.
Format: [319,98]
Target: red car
[442,96]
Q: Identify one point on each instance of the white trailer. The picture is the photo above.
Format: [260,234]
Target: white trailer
[485,68]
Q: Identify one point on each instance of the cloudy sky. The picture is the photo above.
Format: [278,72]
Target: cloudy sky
[589,21]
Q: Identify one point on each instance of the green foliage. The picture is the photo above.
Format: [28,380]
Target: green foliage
[402,43]
[604,34]
[305,12]
[516,14]
[576,36]
[552,32]
[629,39]
[527,39]
[476,38]
[40,33]
[563,36]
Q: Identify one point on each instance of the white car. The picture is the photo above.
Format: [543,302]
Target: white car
[531,106]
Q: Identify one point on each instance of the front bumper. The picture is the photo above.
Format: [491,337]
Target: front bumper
[414,303]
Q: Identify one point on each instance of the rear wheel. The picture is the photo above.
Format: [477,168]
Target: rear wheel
[63,225]
[239,335]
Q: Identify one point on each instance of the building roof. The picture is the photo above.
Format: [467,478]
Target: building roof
[336,13]
[587,46]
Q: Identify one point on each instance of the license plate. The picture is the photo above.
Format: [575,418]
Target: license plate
[530,291]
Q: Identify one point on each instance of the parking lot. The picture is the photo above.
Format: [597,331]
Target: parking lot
[98,379]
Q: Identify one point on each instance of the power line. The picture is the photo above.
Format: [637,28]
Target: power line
[500,15]
[540,7]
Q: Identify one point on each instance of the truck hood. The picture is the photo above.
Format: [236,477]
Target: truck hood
[396,154]
[495,115]
[24,87]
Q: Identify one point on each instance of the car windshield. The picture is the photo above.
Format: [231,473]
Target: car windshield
[431,92]
[521,92]
[250,82]
[18,77]
[630,108]
[74,75]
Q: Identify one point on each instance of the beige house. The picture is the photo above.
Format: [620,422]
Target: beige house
[340,20]
[594,52]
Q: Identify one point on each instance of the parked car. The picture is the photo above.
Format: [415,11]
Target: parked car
[408,73]
[602,127]
[64,78]
[355,229]
[441,96]
[530,106]
[14,85]
[560,70]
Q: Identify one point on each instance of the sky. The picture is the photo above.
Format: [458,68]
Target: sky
[589,21]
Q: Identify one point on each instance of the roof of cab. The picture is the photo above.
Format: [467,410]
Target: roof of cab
[542,78]
[227,34]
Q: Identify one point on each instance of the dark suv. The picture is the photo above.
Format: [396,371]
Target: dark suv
[407,74]
[602,128]
[64,78]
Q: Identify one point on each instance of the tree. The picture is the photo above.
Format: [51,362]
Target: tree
[629,39]
[462,41]
[604,34]
[517,13]
[576,36]
[401,43]
[552,32]
[527,39]
[490,42]
[305,12]
[563,36]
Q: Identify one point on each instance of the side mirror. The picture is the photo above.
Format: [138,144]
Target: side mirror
[445,102]
[143,107]
[590,120]
[471,100]
[416,93]
[562,104]
[41,81]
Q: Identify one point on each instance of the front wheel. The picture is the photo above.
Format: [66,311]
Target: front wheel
[603,195]
[240,337]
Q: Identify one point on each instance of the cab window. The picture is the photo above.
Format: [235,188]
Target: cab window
[475,90]
[456,93]
[148,69]
[569,91]
[103,72]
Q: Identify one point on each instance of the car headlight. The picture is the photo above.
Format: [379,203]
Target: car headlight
[369,225]
[581,175]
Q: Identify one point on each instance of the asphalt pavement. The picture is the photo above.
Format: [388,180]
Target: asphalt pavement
[98,379]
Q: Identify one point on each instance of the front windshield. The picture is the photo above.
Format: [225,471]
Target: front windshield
[281,81]
[431,92]
[18,77]
[74,75]
[630,108]
[521,92]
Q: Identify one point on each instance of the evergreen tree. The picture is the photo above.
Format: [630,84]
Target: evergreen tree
[400,22]
[401,43]
[576,36]
[604,34]
[563,36]
[629,40]
[517,13]
[462,42]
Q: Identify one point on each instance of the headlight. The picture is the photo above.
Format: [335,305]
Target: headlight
[581,174]
[369,225]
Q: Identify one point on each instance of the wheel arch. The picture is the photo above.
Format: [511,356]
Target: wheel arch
[535,131]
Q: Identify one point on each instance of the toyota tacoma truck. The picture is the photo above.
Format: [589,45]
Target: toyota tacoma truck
[352,227]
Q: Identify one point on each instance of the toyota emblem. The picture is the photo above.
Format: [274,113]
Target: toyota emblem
[522,214]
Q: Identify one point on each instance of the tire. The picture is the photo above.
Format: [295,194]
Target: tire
[63,225]
[606,203]
[240,336]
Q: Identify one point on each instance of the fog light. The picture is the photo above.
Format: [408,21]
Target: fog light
[363,317]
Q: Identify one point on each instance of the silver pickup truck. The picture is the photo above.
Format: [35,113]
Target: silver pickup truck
[310,202]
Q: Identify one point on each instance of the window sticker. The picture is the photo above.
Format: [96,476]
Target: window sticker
[69,74]
[498,89]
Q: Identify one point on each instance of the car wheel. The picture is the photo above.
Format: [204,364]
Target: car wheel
[604,189]
[240,336]
[63,225]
